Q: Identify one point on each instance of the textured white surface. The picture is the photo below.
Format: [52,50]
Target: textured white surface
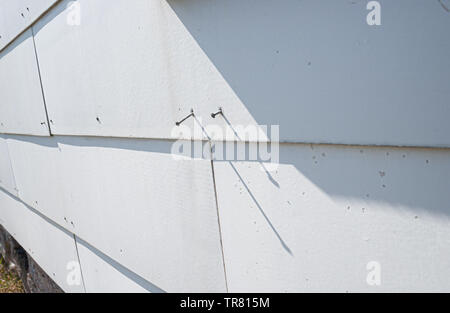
[132,201]
[6,174]
[125,75]
[327,212]
[149,223]
[104,275]
[50,246]
[17,15]
[314,68]
[22,109]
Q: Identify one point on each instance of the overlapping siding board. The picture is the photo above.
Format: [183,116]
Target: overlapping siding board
[316,222]
[123,75]
[131,200]
[323,75]
[48,244]
[22,109]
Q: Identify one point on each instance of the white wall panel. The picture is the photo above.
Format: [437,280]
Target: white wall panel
[49,245]
[6,174]
[129,199]
[313,67]
[22,109]
[125,75]
[104,275]
[317,221]
[17,15]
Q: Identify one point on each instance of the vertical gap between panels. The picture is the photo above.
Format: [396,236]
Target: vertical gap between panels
[218,215]
[79,262]
[40,81]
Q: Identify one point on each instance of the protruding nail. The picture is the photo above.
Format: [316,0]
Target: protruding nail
[180,122]
[220,112]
